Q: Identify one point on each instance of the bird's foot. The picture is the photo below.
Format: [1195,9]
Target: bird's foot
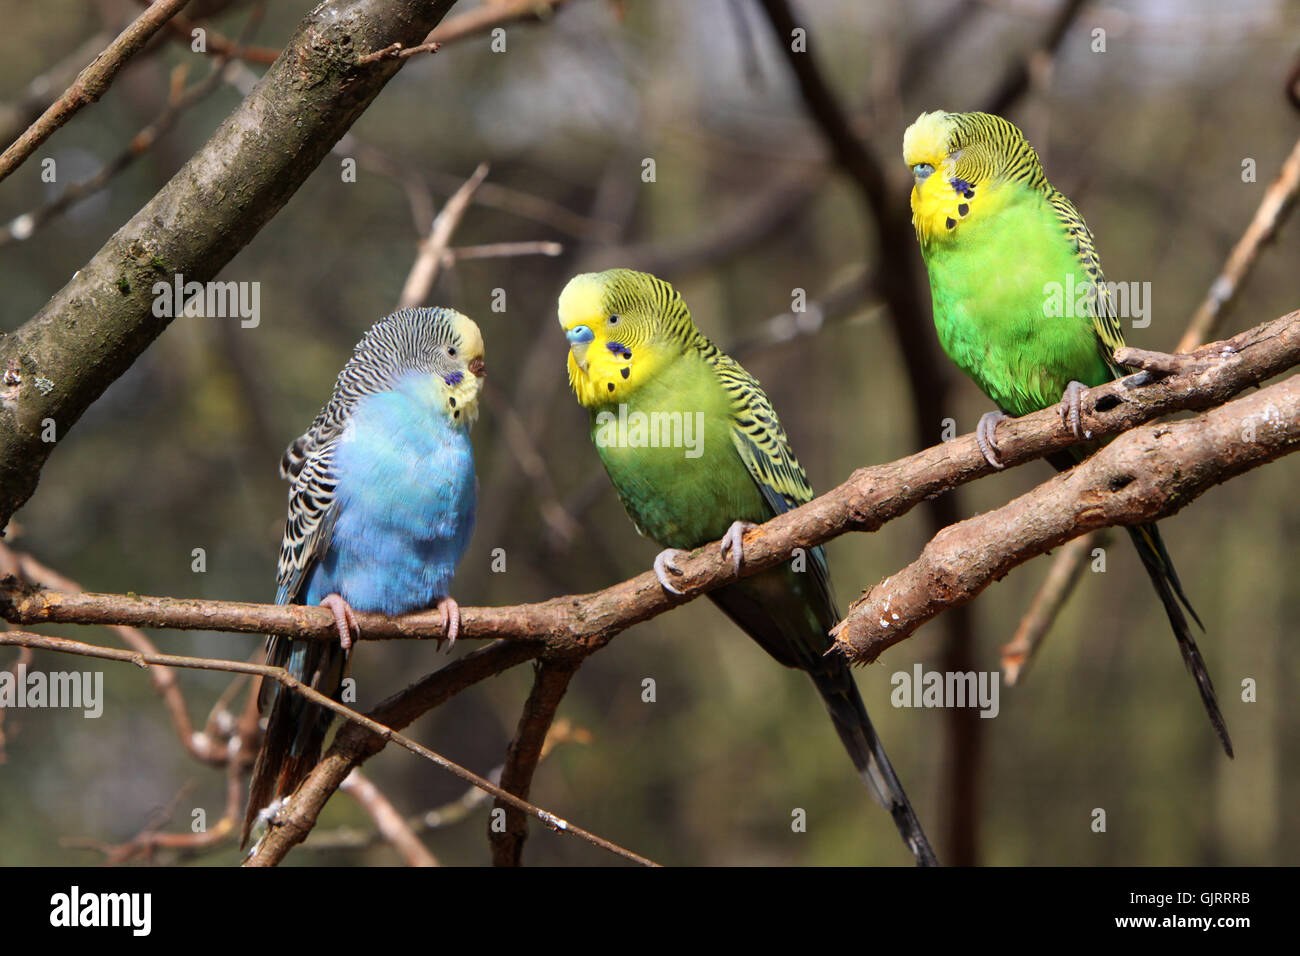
[345,620]
[1072,409]
[984,436]
[664,562]
[733,541]
[450,612]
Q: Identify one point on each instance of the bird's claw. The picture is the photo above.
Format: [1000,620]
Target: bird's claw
[733,541]
[450,612]
[664,563]
[988,423]
[345,620]
[1072,409]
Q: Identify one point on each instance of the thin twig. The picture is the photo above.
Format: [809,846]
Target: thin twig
[395,51]
[447,814]
[90,84]
[21,227]
[429,261]
[390,824]
[279,674]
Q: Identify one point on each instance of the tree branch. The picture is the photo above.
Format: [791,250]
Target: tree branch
[1146,474]
[525,751]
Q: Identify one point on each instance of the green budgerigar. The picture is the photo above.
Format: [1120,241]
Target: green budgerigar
[1020,303]
[697,455]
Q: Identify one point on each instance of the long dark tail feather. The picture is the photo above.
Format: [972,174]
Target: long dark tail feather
[1156,560]
[849,715]
[295,728]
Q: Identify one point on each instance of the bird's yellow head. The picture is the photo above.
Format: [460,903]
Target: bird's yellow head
[960,164]
[622,327]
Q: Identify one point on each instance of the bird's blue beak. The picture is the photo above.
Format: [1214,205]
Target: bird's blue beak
[579,337]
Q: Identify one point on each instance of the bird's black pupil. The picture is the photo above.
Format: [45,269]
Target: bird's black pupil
[451,351]
[613,319]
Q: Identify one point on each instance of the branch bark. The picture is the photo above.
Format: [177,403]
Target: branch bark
[1143,475]
[525,751]
[91,331]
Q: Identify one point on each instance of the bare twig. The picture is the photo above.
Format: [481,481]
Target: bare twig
[21,227]
[91,84]
[427,264]
[279,674]
[448,814]
[1047,603]
[395,51]
[391,826]
[1273,208]
[163,679]
[488,16]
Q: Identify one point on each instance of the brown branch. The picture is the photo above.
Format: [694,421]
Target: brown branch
[577,624]
[217,44]
[391,826]
[281,675]
[525,751]
[90,84]
[424,273]
[395,51]
[447,814]
[1143,475]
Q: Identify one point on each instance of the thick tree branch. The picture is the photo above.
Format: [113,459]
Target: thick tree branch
[1143,475]
[61,360]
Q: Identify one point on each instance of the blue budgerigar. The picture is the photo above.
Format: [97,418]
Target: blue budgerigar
[381,507]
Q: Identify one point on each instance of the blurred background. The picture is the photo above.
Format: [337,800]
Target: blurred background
[1148,137]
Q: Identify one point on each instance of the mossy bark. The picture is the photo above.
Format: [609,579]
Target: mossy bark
[90,332]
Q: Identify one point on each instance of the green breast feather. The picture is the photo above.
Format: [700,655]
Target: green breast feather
[1008,303]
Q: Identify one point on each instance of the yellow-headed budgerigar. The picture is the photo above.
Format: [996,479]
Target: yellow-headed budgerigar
[696,454]
[381,506]
[1020,303]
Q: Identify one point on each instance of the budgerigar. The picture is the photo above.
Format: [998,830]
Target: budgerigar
[1020,303]
[714,462]
[381,507]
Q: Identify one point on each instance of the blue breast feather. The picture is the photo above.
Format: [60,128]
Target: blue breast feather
[406,497]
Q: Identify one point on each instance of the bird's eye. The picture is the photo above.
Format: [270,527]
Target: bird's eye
[921,172]
[451,352]
[613,320]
